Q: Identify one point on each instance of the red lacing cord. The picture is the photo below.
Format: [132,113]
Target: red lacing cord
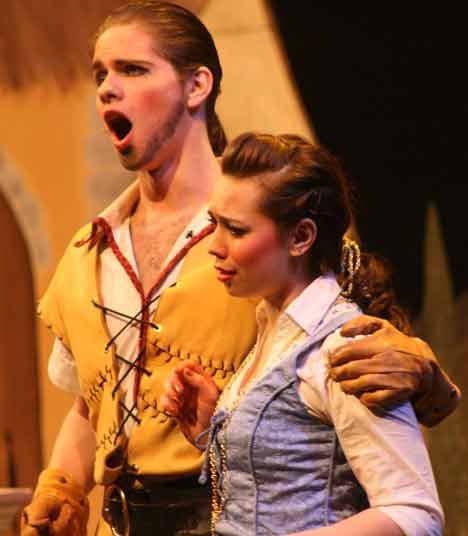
[101,223]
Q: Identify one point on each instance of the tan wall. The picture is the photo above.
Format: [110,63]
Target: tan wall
[42,135]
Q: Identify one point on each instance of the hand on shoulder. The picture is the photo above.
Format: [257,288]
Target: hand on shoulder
[385,367]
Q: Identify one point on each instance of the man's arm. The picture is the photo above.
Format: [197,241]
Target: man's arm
[388,367]
[59,506]
[75,446]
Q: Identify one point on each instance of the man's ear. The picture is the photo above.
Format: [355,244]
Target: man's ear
[198,87]
[302,237]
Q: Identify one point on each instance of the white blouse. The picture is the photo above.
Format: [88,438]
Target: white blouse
[387,454]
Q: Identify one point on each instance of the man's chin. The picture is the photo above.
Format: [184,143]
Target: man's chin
[129,159]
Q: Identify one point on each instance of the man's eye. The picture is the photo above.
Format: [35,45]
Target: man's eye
[99,77]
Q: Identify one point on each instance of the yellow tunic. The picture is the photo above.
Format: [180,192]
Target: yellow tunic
[196,319]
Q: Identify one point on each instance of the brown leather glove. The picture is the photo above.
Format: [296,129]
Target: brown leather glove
[59,507]
[387,367]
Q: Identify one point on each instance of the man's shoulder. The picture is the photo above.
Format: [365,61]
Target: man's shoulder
[77,250]
[82,233]
[81,240]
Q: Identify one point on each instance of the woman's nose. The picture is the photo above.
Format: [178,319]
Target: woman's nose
[217,247]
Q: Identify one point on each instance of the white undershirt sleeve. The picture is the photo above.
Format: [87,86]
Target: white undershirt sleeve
[62,368]
[387,454]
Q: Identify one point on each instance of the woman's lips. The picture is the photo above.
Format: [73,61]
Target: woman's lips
[225,275]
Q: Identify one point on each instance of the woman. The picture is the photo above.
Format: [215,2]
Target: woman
[288,451]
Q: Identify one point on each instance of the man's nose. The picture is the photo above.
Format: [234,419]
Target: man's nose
[109,89]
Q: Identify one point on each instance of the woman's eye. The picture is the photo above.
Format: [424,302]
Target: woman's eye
[236,231]
[134,70]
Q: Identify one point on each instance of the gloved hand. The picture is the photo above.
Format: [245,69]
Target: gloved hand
[59,507]
[388,367]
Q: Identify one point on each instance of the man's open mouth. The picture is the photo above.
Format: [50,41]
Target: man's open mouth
[118,124]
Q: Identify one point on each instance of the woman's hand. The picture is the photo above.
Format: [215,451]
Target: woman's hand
[190,396]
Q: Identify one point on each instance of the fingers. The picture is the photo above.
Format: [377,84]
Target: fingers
[173,389]
[67,523]
[170,406]
[190,365]
[380,389]
[385,398]
[32,525]
[362,325]
[385,362]
[185,375]
[35,521]
[48,516]
[386,338]
[186,387]
[195,376]
[43,508]
[355,350]
[171,400]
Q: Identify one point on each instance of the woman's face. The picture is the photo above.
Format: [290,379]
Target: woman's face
[251,255]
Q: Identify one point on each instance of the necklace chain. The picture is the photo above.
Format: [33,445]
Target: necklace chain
[218,496]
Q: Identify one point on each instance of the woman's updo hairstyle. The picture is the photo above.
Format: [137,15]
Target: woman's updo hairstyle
[304,180]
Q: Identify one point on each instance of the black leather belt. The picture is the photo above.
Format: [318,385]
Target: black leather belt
[145,506]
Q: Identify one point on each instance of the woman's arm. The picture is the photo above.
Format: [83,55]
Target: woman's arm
[387,454]
[366,523]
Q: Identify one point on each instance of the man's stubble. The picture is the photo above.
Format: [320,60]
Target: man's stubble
[133,161]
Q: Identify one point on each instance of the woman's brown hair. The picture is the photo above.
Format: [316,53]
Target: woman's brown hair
[304,180]
[182,40]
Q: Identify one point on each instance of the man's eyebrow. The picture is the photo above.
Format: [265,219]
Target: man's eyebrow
[97,64]
[134,61]
[120,62]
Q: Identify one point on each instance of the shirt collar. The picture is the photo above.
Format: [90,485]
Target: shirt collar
[314,302]
[119,210]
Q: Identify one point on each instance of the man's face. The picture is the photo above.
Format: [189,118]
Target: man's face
[140,97]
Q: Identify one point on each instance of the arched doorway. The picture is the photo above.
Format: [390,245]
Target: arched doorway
[20,447]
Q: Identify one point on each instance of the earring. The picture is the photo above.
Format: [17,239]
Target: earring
[350,264]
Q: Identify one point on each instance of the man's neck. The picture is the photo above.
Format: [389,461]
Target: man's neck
[181,183]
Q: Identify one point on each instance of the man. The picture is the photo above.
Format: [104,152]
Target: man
[158,76]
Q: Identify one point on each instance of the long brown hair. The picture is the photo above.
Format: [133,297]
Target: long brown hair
[182,40]
[304,180]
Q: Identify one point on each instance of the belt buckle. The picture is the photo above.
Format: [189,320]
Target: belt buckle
[115,510]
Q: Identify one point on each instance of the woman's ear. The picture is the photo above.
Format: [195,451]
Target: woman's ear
[302,237]
[198,87]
